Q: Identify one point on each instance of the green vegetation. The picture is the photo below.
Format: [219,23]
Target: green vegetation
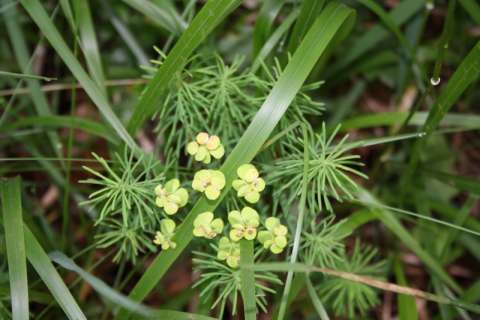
[227,159]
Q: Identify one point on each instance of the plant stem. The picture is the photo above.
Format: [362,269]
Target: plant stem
[247,279]
[298,229]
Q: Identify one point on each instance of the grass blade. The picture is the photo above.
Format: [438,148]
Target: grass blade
[466,74]
[464,121]
[47,272]
[212,13]
[388,22]
[126,35]
[22,55]
[38,14]
[472,8]
[88,42]
[90,126]
[423,217]
[355,221]
[24,76]
[407,308]
[118,298]
[334,19]
[322,313]
[166,19]
[273,40]
[263,25]
[298,228]
[309,11]
[247,279]
[392,223]
[10,192]
[400,14]
[68,12]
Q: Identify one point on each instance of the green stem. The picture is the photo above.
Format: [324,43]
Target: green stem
[247,279]
[298,229]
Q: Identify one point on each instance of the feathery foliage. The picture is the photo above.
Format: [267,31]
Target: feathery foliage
[349,298]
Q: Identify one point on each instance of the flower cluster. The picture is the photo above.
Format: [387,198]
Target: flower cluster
[163,237]
[275,237]
[206,226]
[210,182]
[229,251]
[244,223]
[171,197]
[205,147]
[250,184]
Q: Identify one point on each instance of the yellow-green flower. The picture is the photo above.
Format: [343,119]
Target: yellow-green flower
[275,237]
[204,147]
[250,184]
[164,236]
[211,182]
[206,226]
[244,224]
[171,197]
[229,251]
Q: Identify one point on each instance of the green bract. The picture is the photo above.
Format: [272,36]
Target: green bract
[204,147]
[275,237]
[244,224]
[171,197]
[164,236]
[229,251]
[211,182]
[250,184]
[206,226]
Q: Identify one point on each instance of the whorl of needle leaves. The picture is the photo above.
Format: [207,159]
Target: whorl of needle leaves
[213,96]
[322,243]
[223,282]
[329,168]
[125,190]
[348,298]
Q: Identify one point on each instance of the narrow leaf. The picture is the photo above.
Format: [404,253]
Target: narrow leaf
[369,41]
[88,42]
[247,279]
[24,76]
[263,25]
[90,126]
[10,192]
[161,17]
[47,272]
[118,298]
